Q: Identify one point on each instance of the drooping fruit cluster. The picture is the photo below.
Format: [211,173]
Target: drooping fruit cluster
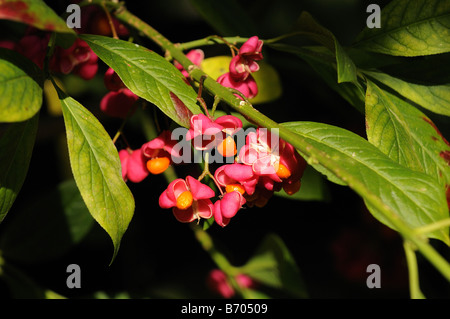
[252,171]
[263,165]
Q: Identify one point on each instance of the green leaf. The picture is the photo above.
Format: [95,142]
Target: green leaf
[323,62]
[410,28]
[48,227]
[405,134]
[346,69]
[21,83]
[415,197]
[435,98]
[97,170]
[274,266]
[34,13]
[16,146]
[149,76]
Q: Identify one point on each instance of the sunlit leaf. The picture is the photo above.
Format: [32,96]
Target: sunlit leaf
[410,28]
[21,83]
[149,76]
[97,170]
[405,134]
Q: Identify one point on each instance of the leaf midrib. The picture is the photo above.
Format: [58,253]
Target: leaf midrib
[92,151]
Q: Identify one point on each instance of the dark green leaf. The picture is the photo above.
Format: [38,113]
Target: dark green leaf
[417,199]
[21,83]
[20,285]
[16,146]
[273,265]
[227,17]
[346,70]
[33,12]
[149,76]
[97,170]
[353,94]
[323,62]
[410,28]
[47,228]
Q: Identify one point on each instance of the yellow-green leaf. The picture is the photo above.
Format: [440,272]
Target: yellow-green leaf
[410,28]
[97,170]
[21,84]
[405,134]
[149,76]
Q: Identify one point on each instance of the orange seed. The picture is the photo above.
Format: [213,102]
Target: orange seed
[158,165]
[227,147]
[283,171]
[184,201]
[235,187]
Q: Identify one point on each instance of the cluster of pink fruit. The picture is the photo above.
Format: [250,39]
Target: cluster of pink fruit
[78,59]
[263,165]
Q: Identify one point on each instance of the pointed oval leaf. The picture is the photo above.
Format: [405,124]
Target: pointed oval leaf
[149,76]
[16,146]
[97,170]
[410,28]
[346,69]
[33,12]
[415,197]
[319,59]
[405,134]
[21,83]
[48,227]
